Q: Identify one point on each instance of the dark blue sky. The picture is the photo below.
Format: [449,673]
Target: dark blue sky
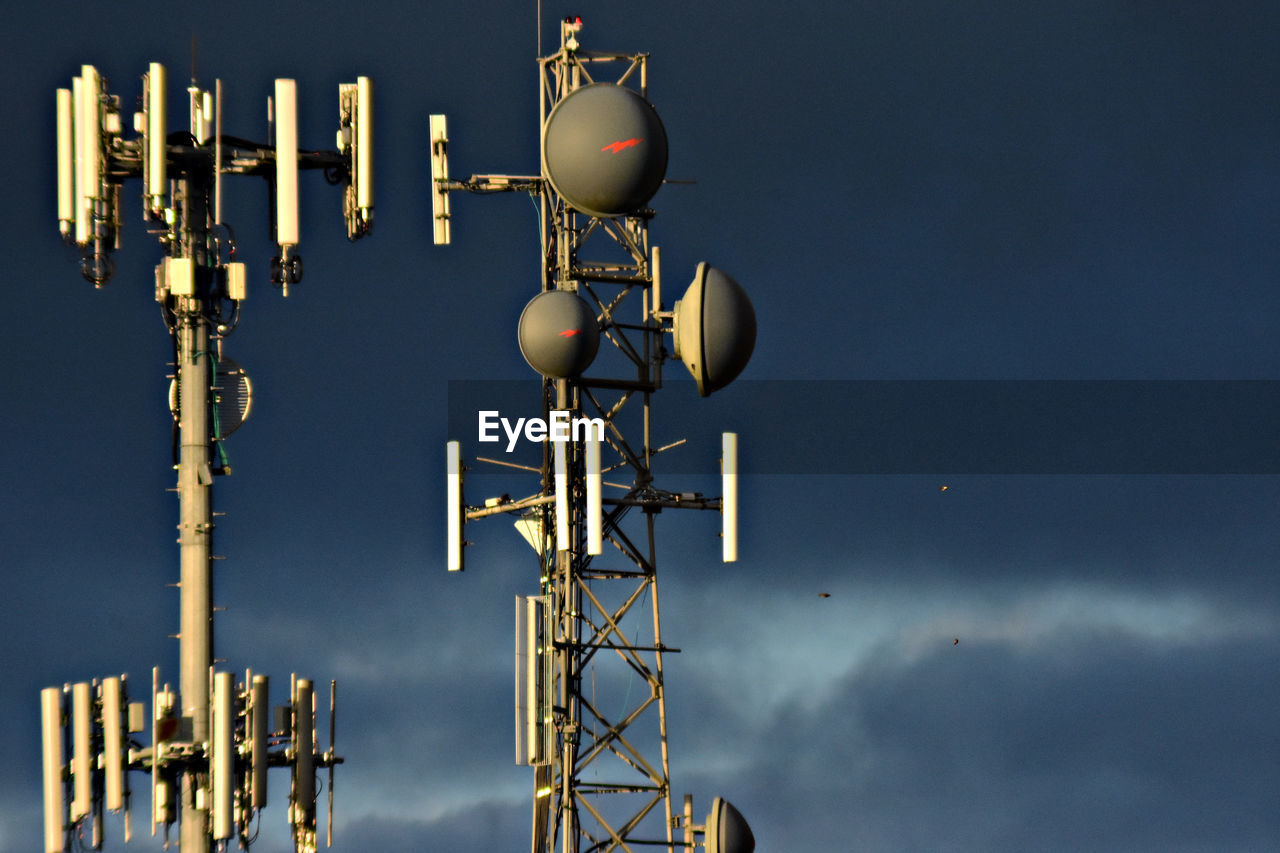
[908,191]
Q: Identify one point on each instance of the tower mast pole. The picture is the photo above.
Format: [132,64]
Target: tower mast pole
[195,373]
[195,540]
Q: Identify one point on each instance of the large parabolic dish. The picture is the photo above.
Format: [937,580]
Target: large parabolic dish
[604,150]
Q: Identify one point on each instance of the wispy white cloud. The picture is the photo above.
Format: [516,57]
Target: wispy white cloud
[798,650]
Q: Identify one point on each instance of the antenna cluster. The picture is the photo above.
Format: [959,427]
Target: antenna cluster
[212,740]
[597,332]
[89,748]
[590,696]
[182,175]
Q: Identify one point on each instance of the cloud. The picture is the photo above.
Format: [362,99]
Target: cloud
[485,824]
[1131,724]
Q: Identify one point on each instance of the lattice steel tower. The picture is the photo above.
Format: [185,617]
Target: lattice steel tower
[590,696]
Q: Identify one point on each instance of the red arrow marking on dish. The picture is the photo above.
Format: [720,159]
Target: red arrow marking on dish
[568,333]
[621,144]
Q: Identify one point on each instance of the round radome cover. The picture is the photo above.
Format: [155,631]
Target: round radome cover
[231,395]
[715,329]
[727,829]
[558,334]
[604,150]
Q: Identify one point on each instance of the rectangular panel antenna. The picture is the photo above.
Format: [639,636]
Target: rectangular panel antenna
[88,134]
[54,802]
[363,159]
[524,642]
[222,757]
[259,729]
[66,163]
[77,174]
[81,750]
[113,758]
[155,174]
[562,495]
[439,179]
[655,273]
[286,132]
[304,760]
[533,680]
[729,495]
[201,114]
[593,493]
[457,516]
[156,751]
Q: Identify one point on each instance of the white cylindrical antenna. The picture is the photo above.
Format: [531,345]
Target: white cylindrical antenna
[524,641]
[304,761]
[453,454]
[54,804]
[656,272]
[729,496]
[531,659]
[66,163]
[286,126]
[594,525]
[206,117]
[156,176]
[259,715]
[112,744]
[222,777]
[77,173]
[562,495]
[333,718]
[364,148]
[155,749]
[89,148]
[217,152]
[81,750]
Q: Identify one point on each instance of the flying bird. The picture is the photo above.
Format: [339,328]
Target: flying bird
[956,642]
[824,595]
[943,488]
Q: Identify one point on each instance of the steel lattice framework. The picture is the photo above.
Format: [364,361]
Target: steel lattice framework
[603,782]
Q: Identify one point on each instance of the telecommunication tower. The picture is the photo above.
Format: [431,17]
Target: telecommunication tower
[212,741]
[590,697]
